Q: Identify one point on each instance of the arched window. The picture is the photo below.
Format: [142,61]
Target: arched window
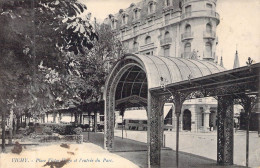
[187,28]
[208,28]
[167,35]
[147,40]
[208,47]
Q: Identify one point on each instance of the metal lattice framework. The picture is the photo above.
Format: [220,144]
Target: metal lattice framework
[137,80]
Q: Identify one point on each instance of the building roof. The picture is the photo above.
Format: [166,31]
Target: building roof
[144,15]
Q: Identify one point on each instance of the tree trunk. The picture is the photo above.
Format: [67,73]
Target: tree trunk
[80,118]
[3,130]
[11,117]
[76,118]
[14,127]
[25,120]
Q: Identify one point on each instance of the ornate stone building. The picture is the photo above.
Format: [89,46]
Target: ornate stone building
[173,28]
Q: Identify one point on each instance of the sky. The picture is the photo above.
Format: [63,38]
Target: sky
[239,26]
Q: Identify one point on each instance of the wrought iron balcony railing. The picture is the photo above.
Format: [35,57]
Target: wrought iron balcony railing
[166,41]
[147,46]
[187,1]
[187,36]
[201,13]
[211,34]
[133,50]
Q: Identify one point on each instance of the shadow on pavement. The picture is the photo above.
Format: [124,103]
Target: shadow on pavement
[136,152]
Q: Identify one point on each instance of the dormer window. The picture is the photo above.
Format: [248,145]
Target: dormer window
[151,7]
[124,18]
[136,13]
[113,24]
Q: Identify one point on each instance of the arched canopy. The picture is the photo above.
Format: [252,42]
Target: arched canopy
[136,74]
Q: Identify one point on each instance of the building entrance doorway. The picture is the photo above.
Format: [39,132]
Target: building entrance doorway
[186,120]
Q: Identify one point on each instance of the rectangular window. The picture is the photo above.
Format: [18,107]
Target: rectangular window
[150,22]
[188,9]
[167,18]
[135,29]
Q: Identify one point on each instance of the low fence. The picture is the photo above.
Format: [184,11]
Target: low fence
[63,138]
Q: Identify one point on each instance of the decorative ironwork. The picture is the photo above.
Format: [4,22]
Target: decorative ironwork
[225,130]
[110,102]
[156,128]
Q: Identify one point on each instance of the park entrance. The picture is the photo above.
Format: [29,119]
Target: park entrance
[151,81]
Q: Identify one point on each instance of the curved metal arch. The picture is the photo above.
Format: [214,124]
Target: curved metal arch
[169,58]
[120,73]
[185,64]
[167,68]
[214,65]
[196,66]
[206,67]
[126,77]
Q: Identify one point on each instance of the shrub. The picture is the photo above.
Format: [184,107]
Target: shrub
[69,129]
[47,130]
[60,129]
[77,131]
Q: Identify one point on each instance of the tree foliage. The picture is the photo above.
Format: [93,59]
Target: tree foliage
[35,36]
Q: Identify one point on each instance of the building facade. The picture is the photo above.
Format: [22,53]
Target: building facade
[173,28]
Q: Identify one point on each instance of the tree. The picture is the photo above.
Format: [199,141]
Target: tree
[88,72]
[37,33]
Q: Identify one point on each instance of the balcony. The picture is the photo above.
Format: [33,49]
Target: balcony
[133,50]
[209,35]
[202,13]
[187,36]
[147,46]
[166,41]
[167,8]
[187,1]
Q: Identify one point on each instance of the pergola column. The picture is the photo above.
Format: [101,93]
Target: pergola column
[109,121]
[95,121]
[206,114]
[225,139]
[155,131]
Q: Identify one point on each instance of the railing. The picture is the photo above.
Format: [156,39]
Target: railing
[187,35]
[147,46]
[166,41]
[207,13]
[66,138]
[210,34]
[187,1]
[133,50]
[209,56]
